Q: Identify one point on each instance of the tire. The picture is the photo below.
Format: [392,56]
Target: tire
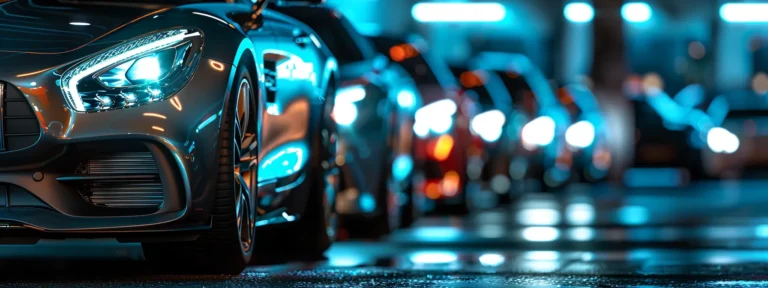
[308,238]
[220,250]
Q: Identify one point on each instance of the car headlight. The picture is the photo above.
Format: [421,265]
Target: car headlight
[581,134]
[143,70]
[540,131]
[721,140]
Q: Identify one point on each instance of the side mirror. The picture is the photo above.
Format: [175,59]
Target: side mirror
[286,3]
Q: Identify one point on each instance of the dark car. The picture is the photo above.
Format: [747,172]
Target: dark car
[149,122]
[443,143]
[370,202]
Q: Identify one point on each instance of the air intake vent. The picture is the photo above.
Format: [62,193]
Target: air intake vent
[120,180]
[19,128]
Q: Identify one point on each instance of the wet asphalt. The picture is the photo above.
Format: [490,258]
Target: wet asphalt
[709,234]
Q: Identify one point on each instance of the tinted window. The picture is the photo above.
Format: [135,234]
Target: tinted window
[339,35]
[520,91]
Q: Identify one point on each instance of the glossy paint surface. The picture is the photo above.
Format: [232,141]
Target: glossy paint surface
[186,124]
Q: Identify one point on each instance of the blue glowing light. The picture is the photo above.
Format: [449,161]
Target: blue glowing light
[350,94]
[636,12]
[284,161]
[273,109]
[581,134]
[436,117]
[436,257]
[491,259]
[538,216]
[205,123]
[654,177]
[720,140]
[437,233]
[744,12]
[345,113]
[402,167]
[581,233]
[580,214]
[488,125]
[761,231]
[367,202]
[541,234]
[633,215]
[579,12]
[441,127]
[147,69]
[458,12]
[406,99]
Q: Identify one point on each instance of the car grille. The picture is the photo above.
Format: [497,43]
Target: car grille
[19,127]
[122,180]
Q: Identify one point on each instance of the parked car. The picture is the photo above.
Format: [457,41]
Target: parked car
[587,138]
[370,203]
[442,141]
[149,122]
[540,120]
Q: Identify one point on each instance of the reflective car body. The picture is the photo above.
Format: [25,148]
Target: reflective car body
[139,171]
[370,121]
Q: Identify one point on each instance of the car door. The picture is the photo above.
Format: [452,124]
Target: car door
[292,71]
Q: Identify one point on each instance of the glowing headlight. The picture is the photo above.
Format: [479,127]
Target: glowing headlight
[721,140]
[540,131]
[436,117]
[581,134]
[488,125]
[144,70]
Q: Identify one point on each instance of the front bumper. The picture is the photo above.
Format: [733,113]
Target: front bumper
[181,133]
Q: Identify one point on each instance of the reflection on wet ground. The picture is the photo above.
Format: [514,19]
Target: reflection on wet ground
[709,234]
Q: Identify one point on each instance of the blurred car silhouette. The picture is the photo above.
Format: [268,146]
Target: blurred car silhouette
[443,142]
[737,133]
[375,101]
[587,138]
[122,126]
[535,119]
[668,135]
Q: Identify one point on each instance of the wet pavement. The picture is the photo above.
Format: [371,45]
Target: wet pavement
[709,234]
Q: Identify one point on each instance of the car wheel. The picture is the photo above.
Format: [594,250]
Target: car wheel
[228,246]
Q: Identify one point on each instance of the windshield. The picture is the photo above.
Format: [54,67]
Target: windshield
[341,38]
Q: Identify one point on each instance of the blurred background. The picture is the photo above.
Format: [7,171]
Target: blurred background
[574,116]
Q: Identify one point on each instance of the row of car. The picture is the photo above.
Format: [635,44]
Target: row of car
[220,133]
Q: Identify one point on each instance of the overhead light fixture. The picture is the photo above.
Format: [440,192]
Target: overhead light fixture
[458,12]
[744,12]
[579,12]
[636,12]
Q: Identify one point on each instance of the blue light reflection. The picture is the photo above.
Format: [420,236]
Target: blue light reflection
[284,161]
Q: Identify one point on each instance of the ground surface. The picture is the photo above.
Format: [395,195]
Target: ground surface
[709,234]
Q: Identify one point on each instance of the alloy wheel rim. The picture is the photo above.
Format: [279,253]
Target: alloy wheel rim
[244,153]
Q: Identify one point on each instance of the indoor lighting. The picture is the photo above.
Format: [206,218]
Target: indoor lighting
[579,12]
[744,12]
[636,12]
[458,12]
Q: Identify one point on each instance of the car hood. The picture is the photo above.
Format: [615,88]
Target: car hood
[50,27]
